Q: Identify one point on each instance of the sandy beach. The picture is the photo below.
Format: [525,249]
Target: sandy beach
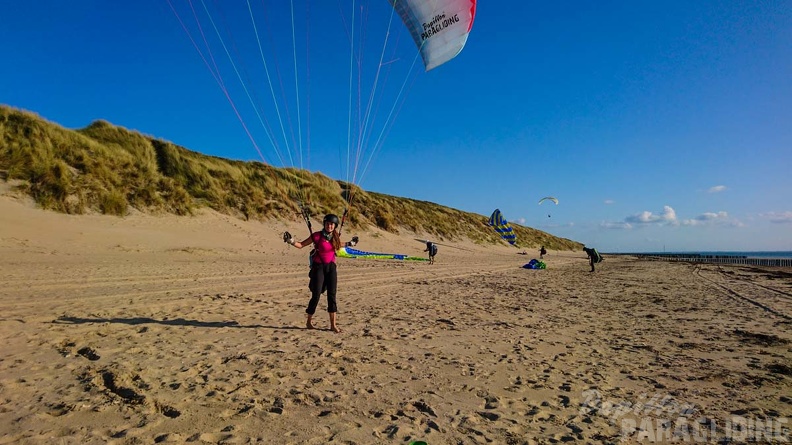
[164,329]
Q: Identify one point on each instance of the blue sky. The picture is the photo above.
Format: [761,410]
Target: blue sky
[657,125]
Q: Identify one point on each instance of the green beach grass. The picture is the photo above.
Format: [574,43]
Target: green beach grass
[108,169]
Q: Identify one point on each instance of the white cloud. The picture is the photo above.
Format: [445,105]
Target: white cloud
[669,214]
[609,201]
[643,217]
[778,217]
[705,218]
[646,217]
[616,225]
[710,218]
[711,215]
[717,189]
[553,225]
[521,221]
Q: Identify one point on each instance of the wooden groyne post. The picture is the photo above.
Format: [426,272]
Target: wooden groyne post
[715,259]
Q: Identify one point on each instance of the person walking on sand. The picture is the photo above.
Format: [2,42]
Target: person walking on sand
[593,256]
[323,273]
[542,253]
[432,249]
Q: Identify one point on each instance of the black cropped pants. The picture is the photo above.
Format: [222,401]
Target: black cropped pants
[323,276]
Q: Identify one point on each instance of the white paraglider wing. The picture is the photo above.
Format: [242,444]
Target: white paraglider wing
[549,198]
[439,27]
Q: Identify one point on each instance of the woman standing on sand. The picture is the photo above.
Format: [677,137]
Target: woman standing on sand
[323,267]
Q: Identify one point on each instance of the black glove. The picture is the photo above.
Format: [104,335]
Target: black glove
[355,239]
[287,238]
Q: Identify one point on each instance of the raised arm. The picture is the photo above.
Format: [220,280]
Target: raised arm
[288,239]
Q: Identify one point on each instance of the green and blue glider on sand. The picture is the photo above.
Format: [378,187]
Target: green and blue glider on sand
[348,252]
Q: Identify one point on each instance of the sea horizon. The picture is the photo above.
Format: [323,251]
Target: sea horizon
[769,254]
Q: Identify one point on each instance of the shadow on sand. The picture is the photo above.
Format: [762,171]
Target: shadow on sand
[170,322]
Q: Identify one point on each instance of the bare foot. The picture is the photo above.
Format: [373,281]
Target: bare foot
[335,329]
[308,324]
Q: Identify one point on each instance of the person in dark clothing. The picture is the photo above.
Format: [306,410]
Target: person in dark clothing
[432,249]
[542,253]
[323,273]
[593,256]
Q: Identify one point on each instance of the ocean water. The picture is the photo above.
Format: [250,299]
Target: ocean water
[759,254]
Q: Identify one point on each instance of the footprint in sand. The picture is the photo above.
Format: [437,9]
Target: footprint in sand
[491,402]
[88,353]
[488,415]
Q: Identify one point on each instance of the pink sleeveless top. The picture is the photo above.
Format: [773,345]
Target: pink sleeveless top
[324,249]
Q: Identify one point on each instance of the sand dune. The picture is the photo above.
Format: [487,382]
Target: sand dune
[171,329]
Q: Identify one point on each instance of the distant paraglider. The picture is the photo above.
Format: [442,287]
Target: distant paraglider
[548,198]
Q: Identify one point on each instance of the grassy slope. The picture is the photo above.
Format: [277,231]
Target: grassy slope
[109,169]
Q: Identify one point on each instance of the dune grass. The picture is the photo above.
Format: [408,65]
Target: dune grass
[109,169]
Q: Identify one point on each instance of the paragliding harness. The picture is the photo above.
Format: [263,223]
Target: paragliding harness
[307,217]
[312,254]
